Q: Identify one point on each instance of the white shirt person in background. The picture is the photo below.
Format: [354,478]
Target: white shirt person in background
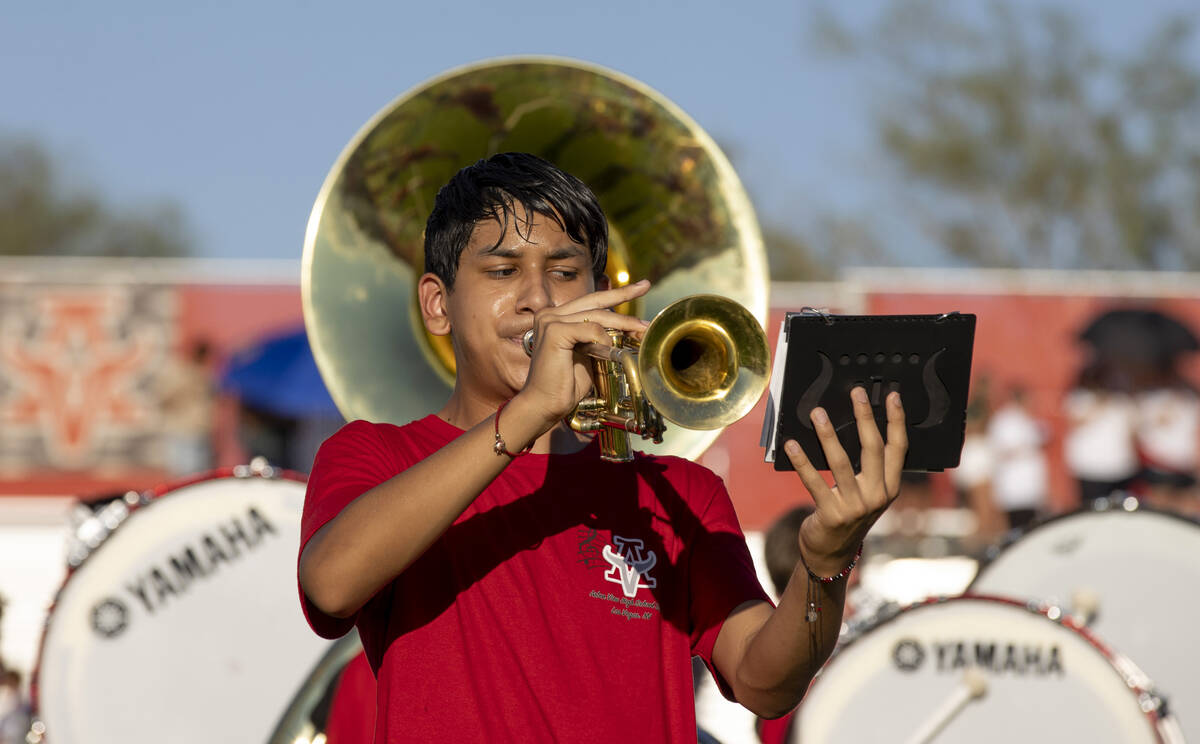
[1020,476]
[1168,440]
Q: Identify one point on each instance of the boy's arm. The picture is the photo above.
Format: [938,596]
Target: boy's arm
[379,534]
[384,530]
[770,656]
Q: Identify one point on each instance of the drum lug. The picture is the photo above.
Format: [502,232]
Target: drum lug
[258,468]
[1152,702]
[92,528]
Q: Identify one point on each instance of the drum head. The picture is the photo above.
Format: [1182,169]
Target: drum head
[184,625]
[978,670]
[1135,572]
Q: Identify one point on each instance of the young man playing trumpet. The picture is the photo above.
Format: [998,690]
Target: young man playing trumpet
[507,584]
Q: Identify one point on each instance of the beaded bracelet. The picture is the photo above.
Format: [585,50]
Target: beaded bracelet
[840,575]
[500,448]
[814,593]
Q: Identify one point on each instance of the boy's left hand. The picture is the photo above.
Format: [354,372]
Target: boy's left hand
[845,512]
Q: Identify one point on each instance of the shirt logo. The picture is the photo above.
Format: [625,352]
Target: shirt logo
[629,566]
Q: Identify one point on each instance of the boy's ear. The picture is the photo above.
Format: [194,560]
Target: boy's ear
[431,296]
[603,283]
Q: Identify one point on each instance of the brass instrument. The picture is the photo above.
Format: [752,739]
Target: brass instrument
[677,213]
[702,364]
[305,720]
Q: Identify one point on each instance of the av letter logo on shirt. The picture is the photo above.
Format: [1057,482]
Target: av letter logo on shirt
[630,568]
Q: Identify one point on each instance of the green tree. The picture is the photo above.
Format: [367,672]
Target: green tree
[38,217]
[1015,141]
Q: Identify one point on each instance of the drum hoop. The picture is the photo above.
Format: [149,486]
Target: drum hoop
[1102,506]
[145,498]
[1121,664]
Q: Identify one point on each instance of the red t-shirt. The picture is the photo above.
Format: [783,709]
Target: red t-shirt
[563,605]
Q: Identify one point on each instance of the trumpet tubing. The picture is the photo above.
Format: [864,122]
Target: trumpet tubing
[706,357]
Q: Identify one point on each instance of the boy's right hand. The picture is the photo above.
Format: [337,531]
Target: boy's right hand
[559,375]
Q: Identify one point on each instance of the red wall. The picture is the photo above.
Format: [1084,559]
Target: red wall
[1023,337]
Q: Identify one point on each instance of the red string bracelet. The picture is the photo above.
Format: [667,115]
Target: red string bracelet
[500,448]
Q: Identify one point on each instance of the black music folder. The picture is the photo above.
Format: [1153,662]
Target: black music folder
[820,357]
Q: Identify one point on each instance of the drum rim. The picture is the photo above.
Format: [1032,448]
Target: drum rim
[1122,665]
[145,498]
[1012,537]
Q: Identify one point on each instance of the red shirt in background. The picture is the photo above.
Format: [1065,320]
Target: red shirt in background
[352,710]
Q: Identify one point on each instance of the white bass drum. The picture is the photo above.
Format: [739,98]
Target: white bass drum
[184,623]
[983,670]
[1131,573]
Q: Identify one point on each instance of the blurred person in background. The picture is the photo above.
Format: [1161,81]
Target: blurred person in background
[1020,475]
[912,511]
[1168,437]
[352,707]
[266,434]
[700,679]
[14,710]
[1133,415]
[781,547]
[1100,448]
[972,478]
[285,441]
[187,401]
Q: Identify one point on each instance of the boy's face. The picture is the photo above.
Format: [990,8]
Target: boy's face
[502,281]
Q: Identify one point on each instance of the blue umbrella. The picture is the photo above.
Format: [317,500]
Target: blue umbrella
[280,376]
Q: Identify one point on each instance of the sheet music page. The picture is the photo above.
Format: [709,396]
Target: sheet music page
[771,420]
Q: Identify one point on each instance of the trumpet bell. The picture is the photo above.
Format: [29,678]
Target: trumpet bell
[704,362]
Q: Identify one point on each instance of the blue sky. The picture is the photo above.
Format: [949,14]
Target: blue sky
[236,111]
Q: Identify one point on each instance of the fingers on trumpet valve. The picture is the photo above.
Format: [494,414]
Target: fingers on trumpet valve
[602,321]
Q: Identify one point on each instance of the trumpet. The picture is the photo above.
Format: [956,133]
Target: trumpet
[701,364]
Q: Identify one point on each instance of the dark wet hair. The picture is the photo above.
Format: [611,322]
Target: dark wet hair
[511,184]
